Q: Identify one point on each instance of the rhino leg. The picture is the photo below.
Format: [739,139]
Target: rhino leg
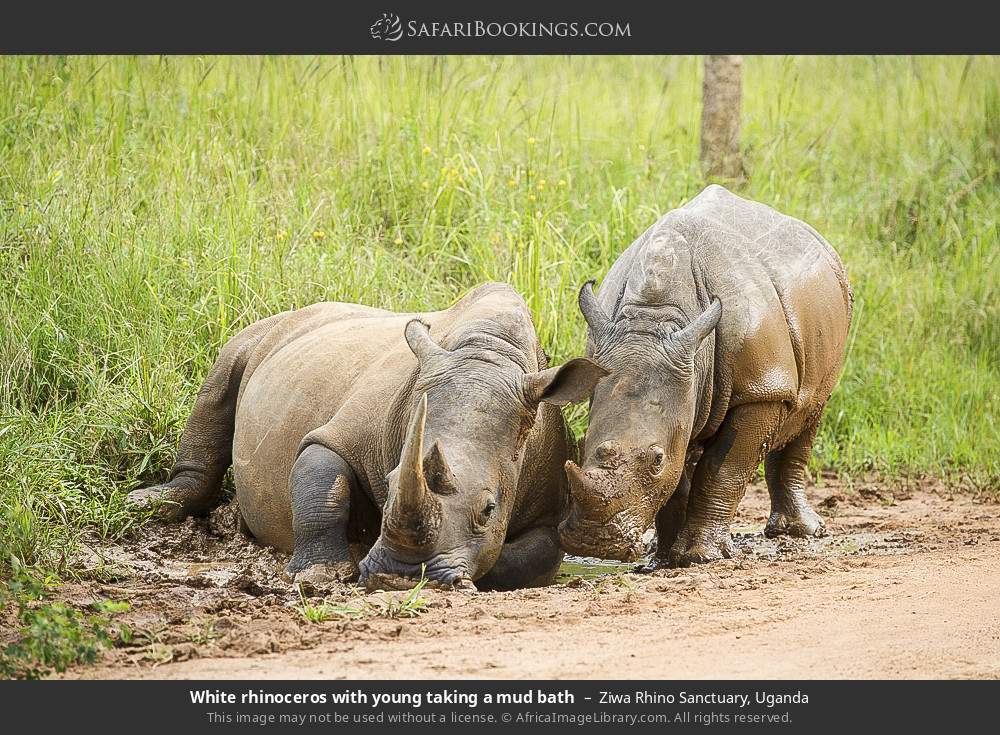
[720,480]
[785,471]
[206,447]
[321,502]
[531,559]
[669,522]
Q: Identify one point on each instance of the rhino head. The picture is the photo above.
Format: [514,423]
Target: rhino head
[452,495]
[641,420]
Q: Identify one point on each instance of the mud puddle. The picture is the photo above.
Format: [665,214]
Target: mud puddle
[589,568]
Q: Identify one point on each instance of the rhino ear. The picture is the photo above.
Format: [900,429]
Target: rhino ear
[418,337]
[569,383]
[595,316]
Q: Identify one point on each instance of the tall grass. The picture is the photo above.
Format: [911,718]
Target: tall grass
[150,207]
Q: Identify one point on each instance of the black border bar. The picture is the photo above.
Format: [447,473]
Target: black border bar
[819,707]
[654,27]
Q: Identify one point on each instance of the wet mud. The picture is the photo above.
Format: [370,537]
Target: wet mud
[205,601]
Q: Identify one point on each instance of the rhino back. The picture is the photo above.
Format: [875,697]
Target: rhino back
[786,302]
[305,373]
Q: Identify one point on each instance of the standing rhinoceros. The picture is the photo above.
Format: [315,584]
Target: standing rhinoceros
[723,328]
[440,428]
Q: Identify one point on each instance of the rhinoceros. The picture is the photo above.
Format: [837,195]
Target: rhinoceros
[723,328]
[434,441]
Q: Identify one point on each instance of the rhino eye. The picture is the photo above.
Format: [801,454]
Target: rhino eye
[489,508]
[656,458]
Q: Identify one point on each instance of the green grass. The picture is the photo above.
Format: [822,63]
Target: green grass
[49,636]
[389,605]
[150,207]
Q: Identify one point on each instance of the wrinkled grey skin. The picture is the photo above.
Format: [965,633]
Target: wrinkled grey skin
[723,328]
[433,442]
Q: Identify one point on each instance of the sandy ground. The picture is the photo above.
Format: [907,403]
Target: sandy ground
[907,585]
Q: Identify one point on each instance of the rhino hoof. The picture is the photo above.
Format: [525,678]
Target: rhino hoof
[324,577]
[804,524]
[157,499]
[465,585]
[701,549]
[654,564]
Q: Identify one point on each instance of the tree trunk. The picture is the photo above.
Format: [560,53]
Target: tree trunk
[721,94]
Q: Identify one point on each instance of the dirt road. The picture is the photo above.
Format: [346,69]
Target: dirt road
[907,585]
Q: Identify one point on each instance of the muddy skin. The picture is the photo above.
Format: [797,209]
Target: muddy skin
[433,441]
[723,328]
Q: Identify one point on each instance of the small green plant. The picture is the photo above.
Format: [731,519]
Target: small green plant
[313,613]
[388,606]
[53,635]
[617,581]
[410,606]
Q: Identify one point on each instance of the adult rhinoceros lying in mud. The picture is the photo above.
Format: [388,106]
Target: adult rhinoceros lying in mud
[446,421]
[723,328]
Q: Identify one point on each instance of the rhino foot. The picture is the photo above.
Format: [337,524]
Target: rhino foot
[324,577]
[701,547]
[159,499]
[803,523]
[654,564]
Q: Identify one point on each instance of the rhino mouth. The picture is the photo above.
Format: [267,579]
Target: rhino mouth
[612,539]
[382,569]
[602,521]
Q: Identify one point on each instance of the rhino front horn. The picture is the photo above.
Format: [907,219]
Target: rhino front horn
[412,482]
[580,491]
[414,514]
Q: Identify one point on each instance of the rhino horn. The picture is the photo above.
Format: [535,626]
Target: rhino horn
[412,482]
[414,514]
[437,472]
[584,491]
[597,318]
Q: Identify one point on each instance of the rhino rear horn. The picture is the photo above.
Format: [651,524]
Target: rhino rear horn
[437,473]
